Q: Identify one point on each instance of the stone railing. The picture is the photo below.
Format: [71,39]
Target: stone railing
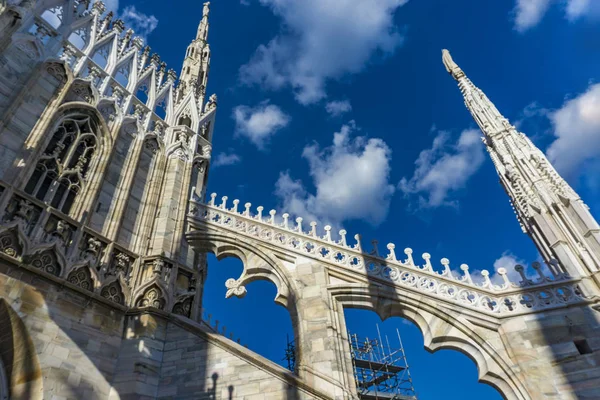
[476,291]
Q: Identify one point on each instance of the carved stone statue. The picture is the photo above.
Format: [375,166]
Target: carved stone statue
[452,68]
[206,9]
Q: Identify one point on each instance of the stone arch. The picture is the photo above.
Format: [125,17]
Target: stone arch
[258,265]
[441,329]
[12,242]
[18,355]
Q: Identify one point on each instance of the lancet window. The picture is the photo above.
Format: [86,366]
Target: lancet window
[61,171]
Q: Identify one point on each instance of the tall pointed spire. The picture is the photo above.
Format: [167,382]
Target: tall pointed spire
[548,209]
[203,26]
[194,74]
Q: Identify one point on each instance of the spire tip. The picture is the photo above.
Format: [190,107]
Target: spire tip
[452,68]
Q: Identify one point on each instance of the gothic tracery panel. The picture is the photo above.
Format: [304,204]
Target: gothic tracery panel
[46,261]
[113,292]
[61,171]
[81,277]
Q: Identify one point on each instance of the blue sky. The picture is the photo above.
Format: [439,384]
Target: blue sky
[341,110]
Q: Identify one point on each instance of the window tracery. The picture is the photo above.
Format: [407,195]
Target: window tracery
[9,244]
[152,298]
[46,261]
[81,277]
[113,292]
[61,171]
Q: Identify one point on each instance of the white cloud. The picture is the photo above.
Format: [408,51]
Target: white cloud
[508,261]
[112,5]
[577,130]
[223,159]
[259,123]
[528,13]
[338,107]
[321,40]
[142,24]
[351,180]
[444,168]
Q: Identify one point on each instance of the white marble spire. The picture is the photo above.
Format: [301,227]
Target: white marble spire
[547,208]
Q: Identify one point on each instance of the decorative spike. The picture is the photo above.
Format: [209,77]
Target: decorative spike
[285,217]
[313,229]
[327,233]
[217,325]
[213,196]
[409,258]
[299,224]
[343,238]
[446,263]
[521,270]
[502,273]
[224,202]
[247,211]
[260,210]
[554,267]
[538,267]
[375,250]
[465,269]
[358,245]
[427,258]
[235,206]
[486,278]
[392,253]
[224,330]
[272,214]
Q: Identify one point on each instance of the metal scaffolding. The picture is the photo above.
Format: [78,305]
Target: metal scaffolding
[381,372]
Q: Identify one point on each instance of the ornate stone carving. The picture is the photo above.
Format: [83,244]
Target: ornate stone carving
[81,277]
[113,292]
[183,307]
[9,244]
[152,297]
[45,261]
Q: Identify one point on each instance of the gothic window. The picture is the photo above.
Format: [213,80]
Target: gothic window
[79,38]
[122,75]
[46,261]
[185,120]
[61,171]
[101,55]
[113,293]
[81,277]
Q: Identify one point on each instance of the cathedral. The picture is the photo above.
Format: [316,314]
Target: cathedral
[105,224]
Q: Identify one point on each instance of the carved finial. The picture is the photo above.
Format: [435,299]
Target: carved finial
[235,205]
[313,229]
[375,250]
[224,202]
[213,196]
[486,278]
[427,258]
[538,267]
[409,258]
[521,270]
[392,253]
[206,9]
[502,273]
[299,224]
[452,68]
[465,269]
[260,210]
[272,214]
[327,233]
[358,245]
[343,237]
[285,217]
[446,263]
[247,207]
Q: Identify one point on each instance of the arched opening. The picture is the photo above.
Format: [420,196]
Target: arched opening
[260,324]
[455,374]
[185,120]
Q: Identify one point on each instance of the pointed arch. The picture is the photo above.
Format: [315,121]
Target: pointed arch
[115,291]
[153,296]
[82,278]
[48,261]
[10,243]
[18,355]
